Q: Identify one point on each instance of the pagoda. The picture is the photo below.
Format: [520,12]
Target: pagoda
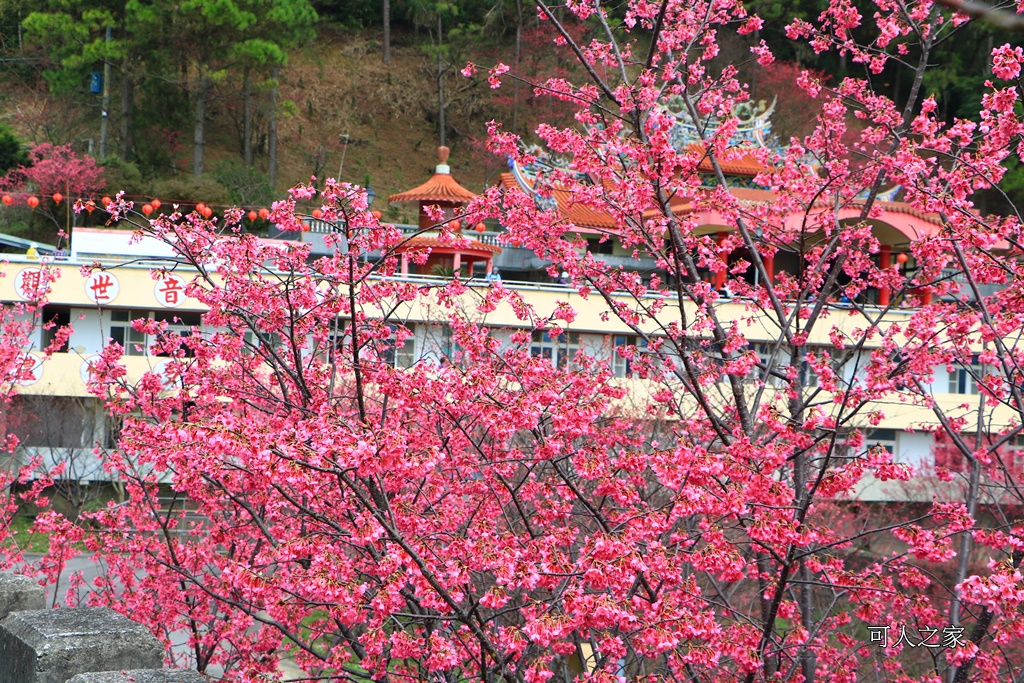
[443,193]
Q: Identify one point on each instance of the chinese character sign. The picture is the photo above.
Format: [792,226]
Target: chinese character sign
[170,291]
[88,369]
[169,373]
[101,287]
[29,369]
[30,284]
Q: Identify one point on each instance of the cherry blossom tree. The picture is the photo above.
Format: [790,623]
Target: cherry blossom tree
[52,169]
[23,484]
[500,518]
[55,170]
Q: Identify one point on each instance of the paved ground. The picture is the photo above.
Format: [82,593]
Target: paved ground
[90,570]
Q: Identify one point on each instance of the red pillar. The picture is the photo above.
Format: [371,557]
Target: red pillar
[720,276]
[885,262]
[769,269]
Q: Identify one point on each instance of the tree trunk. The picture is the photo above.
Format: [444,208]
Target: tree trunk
[387,31]
[247,119]
[440,82]
[127,111]
[518,62]
[272,132]
[105,106]
[199,120]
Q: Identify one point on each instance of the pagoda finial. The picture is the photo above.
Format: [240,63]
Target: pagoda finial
[442,157]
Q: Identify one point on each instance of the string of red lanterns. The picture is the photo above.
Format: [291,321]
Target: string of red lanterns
[147,208]
[152,205]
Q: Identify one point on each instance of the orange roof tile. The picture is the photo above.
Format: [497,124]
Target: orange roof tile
[744,165]
[423,242]
[441,187]
[580,215]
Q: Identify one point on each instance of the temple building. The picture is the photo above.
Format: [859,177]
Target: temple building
[444,194]
[101,304]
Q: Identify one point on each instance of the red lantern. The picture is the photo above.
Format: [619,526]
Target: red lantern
[147,209]
[456,226]
[902,258]
[7,200]
[57,197]
[480,227]
[376,214]
[33,201]
[90,206]
[317,213]
[264,213]
[207,211]
[105,201]
[253,215]
[199,207]
[155,203]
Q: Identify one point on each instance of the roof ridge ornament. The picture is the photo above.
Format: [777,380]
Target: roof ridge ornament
[442,157]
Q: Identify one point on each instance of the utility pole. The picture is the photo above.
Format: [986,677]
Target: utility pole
[341,166]
[105,105]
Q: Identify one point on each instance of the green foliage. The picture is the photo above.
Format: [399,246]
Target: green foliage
[191,189]
[122,175]
[73,34]
[12,152]
[247,186]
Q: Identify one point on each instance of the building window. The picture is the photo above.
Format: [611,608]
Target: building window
[596,246]
[441,344]
[805,378]
[886,438]
[621,366]
[964,378]
[254,341]
[561,350]
[137,343]
[55,318]
[112,431]
[122,332]
[52,422]
[764,355]
[404,355]
[338,340]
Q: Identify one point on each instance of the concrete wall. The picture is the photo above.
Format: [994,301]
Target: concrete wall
[83,645]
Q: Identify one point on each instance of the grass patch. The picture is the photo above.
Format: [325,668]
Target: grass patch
[23,538]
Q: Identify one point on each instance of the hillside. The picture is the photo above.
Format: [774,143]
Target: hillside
[335,87]
[340,86]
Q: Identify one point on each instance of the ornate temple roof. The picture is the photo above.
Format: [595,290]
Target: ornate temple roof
[753,134]
[441,187]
